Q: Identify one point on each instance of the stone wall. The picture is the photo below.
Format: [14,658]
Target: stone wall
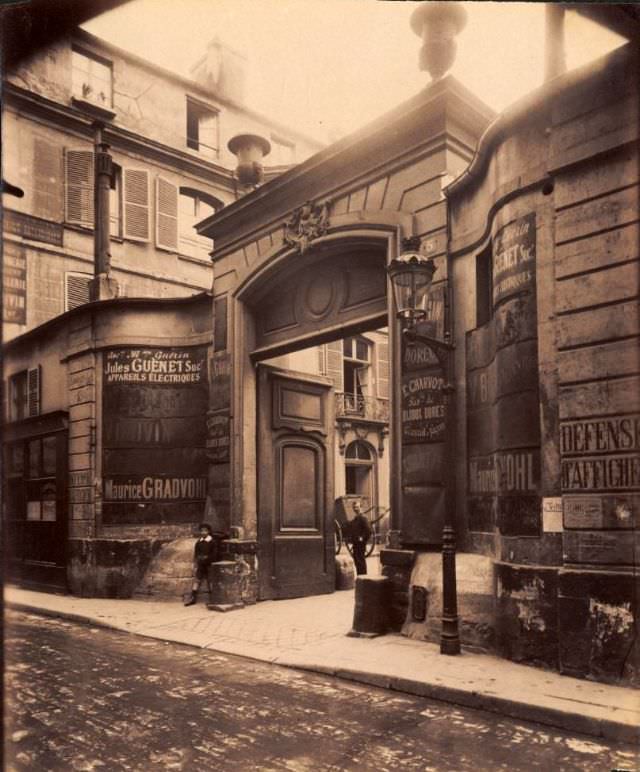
[566,594]
[108,568]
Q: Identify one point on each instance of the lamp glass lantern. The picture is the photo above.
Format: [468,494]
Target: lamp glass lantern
[411,275]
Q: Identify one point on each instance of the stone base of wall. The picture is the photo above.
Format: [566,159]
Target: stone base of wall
[108,568]
[598,613]
[476,588]
[527,614]
[580,621]
[162,531]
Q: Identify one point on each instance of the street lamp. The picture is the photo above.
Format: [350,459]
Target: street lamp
[411,275]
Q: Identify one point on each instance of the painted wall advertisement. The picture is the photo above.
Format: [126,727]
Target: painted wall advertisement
[514,257]
[600,471]
[14,284]
[503,424]
[154,434]
[424,427]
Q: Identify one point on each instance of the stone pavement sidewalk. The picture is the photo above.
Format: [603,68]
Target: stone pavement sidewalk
[310,634]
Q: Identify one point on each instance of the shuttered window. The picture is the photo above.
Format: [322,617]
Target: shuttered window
[24,394]
[166,214]
[194,207]
[47,168]
[33,391]
[79,187]
[76,290]
[334,364]
[382,351]
[136,204]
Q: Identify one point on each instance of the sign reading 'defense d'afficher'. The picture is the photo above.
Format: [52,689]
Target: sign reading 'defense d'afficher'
[154,434]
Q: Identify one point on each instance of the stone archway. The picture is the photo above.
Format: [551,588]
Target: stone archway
[336,288]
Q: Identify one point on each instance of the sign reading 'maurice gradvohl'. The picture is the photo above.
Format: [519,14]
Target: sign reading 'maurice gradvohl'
[154,447]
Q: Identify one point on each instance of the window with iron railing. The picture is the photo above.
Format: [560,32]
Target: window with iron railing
[359,406]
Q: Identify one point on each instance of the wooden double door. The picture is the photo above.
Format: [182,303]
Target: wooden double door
[295,474]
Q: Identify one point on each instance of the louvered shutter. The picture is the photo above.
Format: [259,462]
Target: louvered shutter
[334,364]
[77,290]
[166,214]
[136,204]
[33,391]
[382,351]
[47,167]
[79,187]
[322,365]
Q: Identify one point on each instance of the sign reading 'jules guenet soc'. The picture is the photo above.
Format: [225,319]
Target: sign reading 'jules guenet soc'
[154,434]
[514,258]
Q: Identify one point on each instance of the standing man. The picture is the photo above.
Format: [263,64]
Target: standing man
[360,532]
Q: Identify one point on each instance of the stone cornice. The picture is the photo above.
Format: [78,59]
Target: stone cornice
[395,140]
[74,120]
[51,325]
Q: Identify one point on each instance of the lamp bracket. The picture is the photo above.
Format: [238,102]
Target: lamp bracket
[412,337]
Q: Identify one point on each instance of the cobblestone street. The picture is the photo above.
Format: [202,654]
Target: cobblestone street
[85,698]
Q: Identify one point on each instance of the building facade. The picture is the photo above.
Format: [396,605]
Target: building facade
[535,246]
[168,140]
[532,445]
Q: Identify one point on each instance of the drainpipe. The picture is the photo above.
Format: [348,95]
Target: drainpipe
[102,286]
[554,49]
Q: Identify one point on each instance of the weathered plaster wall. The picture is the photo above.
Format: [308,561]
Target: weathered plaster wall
[147,100]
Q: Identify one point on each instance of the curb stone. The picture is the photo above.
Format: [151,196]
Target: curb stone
[607,729]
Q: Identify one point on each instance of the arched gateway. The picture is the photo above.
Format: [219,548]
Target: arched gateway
[301,261]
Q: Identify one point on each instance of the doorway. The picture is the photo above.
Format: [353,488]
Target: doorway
[290,324]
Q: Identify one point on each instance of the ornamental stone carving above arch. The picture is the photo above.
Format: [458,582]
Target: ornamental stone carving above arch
[308,222]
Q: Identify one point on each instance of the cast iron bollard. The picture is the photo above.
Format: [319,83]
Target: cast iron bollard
[372,606]
[226,586]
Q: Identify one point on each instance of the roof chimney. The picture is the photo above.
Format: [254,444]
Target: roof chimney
[221,70]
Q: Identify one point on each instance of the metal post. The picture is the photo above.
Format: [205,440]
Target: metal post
[395,340]
[449,637]
[103,172]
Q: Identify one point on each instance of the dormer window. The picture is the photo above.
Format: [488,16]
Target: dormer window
[202,129]
[92,79]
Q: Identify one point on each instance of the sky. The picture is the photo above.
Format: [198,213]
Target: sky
[327,67]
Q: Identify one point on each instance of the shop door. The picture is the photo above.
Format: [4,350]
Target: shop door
[295,484]
[36,510]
